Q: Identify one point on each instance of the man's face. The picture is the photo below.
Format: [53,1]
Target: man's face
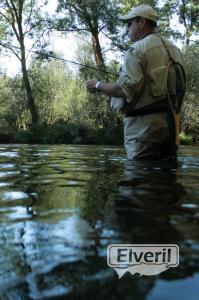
[134,29]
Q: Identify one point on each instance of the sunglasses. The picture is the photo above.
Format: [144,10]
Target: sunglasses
[129,23]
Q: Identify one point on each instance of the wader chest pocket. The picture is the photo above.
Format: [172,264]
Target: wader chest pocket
[158,81]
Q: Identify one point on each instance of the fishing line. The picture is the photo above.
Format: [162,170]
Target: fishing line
[46,55]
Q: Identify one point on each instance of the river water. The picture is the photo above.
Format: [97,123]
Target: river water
[62,206]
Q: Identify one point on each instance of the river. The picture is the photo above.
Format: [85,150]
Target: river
[63,205]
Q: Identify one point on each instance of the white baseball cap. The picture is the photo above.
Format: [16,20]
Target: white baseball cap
[143,10]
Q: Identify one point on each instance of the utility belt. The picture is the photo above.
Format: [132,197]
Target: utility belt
[154,108]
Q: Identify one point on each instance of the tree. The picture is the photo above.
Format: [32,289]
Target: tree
[92,17]
[49,80]
[21,19]
[187,12]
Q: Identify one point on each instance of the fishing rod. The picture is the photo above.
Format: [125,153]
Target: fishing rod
[47,55]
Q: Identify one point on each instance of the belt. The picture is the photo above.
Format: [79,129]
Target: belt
[154,108]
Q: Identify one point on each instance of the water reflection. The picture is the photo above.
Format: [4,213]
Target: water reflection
[145,201]
[65,205]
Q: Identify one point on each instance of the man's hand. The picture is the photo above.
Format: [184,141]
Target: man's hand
[107,88]
[90,85]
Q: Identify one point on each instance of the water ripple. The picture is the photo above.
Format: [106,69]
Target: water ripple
[13,195]
[61,206]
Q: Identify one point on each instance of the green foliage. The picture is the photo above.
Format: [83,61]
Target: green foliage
[89,14]
[47,80]
[10,21]
[12,102]
[85,57]
[5,96]
[60,97]
[186,139]
[21,20]
[186,12]
[7,135]
[190,116]
[67,112]
[191,57]
[90,17]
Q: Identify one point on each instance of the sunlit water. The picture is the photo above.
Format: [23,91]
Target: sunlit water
[61,206]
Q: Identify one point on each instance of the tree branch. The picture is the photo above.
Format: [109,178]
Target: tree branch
[30,14]
[13,16]
[11,49]
[4,16]
[119,46]
[30,50]
[13,8]
[31,28]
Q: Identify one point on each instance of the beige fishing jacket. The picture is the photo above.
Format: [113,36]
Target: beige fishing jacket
[143,78]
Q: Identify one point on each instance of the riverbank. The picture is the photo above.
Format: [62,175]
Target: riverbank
[63,134]
[71,134]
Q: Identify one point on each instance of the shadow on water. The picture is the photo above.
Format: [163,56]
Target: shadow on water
[62,206]
[147,194]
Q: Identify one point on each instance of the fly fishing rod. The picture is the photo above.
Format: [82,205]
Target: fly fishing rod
[47,55]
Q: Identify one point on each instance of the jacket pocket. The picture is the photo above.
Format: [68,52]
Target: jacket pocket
[158,81]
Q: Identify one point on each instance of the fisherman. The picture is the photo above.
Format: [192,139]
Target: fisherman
[151,124]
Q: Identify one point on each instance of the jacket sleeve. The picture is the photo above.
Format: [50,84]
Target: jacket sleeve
[131,77]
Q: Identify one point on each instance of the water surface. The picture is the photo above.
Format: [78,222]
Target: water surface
[61,206]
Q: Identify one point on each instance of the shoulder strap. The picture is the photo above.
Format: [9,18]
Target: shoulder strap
[165,45]
[174,105]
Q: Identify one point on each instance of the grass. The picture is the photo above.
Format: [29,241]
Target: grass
[62,134]
[186,139]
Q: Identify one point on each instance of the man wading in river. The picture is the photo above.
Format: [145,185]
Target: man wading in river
[150,100]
